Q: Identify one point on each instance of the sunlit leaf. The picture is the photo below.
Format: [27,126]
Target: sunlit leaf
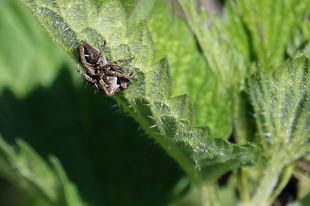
[169,120]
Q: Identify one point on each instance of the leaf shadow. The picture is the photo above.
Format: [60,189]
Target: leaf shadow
[101,148]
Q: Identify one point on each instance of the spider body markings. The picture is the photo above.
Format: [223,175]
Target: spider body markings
[107,77]
[111,68]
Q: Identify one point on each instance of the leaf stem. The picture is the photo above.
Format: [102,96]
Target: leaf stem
[265,189]
[285,177]
[207,194]
[240,107]
[242,186]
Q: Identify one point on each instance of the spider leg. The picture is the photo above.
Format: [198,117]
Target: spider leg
[103,87]
[113,67]
[122,60]
[119,68]
[82,58]
[104,47]
[99,73]
[110,89]
[117,74]
[87,77]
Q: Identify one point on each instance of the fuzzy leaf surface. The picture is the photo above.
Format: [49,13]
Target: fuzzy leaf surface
[169,120]
[262,29]
[282,108]
[189,71]
[230,66]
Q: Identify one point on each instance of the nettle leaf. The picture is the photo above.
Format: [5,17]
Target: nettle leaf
[22,69]
[300,44]
[225,61]
[29,171]
[189,71]
[282,108]
[129,5]
[253,31]
[229,63]
[168,120]
[140,12]
[262,29]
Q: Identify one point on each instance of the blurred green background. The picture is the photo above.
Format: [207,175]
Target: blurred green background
[44,101]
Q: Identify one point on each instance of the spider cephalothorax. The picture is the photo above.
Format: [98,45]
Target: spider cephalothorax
[107,77]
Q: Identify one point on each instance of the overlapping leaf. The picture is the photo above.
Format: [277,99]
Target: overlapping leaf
[282,107]
[262,29]
[222,57]
[189,71]
[168,120]
[253,31]
[19,69]
[28,170]
[227,62]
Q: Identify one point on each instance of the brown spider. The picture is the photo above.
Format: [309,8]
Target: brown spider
[99,71]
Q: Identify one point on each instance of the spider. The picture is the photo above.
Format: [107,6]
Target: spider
[108,75]
[114,84]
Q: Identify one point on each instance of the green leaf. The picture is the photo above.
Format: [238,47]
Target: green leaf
[29,171]
[262,29]
[29,57]
[129,5]
[141,12]
[300,45]
[63,104]
[229,63]
[190,72]
[168,120]
[230,66]
[281,103]
[253,31]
